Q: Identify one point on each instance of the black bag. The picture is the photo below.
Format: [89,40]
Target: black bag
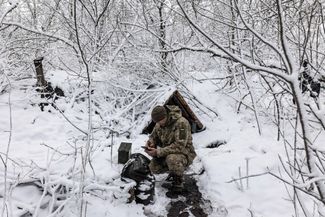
[137,169]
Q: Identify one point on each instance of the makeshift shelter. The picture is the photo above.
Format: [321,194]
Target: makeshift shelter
[177,99]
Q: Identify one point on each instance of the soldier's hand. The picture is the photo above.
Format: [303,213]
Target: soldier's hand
[149,143]
[151,151]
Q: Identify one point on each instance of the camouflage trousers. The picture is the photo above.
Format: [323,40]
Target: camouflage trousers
[173,163]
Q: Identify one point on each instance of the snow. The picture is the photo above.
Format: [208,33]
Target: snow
[222,164]
[43,145]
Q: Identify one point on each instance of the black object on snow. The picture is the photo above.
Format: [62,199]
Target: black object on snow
[137,169]
[307,82]
[124,152]
[216,144]
[50,95]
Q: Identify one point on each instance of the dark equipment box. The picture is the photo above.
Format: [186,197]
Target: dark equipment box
[124,152]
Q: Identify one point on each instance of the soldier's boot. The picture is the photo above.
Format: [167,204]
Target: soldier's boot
[177,187]
[168,183]
[170,177]
[178,184]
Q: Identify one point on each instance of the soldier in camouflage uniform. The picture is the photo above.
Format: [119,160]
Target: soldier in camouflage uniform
[170,144]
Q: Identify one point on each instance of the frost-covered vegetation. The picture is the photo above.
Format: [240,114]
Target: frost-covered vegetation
[115,59]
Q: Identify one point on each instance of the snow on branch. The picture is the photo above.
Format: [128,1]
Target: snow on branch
[11,8]
[264,40]
[41,32]
[232,55]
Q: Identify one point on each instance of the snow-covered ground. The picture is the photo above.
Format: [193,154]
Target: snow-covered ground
[42,146]
[245,153]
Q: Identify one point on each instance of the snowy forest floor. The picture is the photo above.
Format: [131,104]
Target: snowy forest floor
[42,147]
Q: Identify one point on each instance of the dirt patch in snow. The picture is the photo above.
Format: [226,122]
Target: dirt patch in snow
[189,202]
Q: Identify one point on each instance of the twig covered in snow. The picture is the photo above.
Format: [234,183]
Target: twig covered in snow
[37,31]
[230,54]
[5,162]
[8,10]
[250,176]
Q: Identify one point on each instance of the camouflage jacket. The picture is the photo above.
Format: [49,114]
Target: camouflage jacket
[175,137]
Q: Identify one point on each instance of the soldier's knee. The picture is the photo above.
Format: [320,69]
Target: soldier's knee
[176,158]
[172,158]
[176,162]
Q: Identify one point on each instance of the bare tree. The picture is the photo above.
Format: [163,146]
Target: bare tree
[271,52]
